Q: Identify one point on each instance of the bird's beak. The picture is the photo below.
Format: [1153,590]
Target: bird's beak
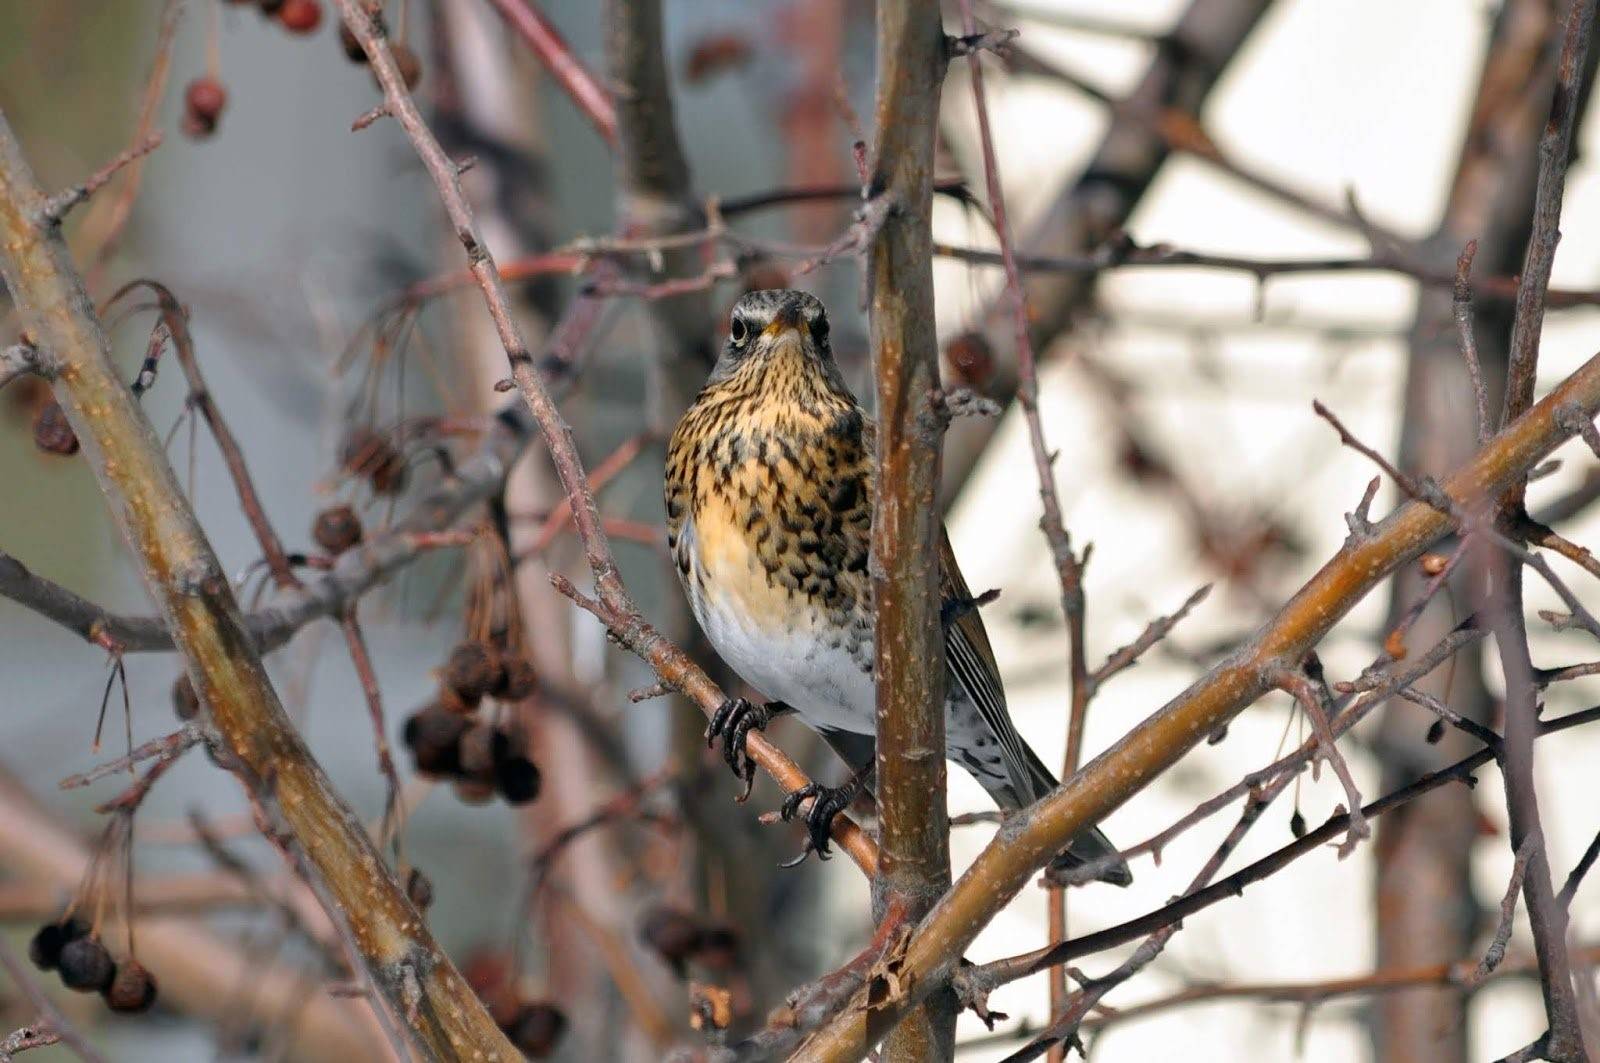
[789,319]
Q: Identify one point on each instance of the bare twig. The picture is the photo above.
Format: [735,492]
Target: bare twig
[1496,953]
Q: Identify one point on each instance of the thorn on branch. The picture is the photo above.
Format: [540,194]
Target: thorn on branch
[1359,520]
[372,116]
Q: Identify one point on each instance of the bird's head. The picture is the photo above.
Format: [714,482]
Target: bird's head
[777,337]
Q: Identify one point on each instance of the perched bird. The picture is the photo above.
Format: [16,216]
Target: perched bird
[769,514]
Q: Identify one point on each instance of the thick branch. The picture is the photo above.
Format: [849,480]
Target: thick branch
[914,842]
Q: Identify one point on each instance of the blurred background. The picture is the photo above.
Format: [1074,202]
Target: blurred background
[1179,398]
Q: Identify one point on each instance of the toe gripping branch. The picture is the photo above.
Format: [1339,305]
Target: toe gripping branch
[828,802]
[733,721]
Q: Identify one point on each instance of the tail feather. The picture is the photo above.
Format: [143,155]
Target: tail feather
[1090,846]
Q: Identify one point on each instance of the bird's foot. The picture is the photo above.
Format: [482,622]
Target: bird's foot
[826,804]
[733,721]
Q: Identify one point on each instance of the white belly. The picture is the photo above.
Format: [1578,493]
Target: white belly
[793,663]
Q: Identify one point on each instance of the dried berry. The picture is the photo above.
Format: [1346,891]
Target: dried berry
[482,747]
[203,103]
[536,1028]
[419,888]
[336,529]
[406,61]
[971,359]
[352,47]
[672,933]
[715,54]
[51,432]
[450,700]
[270,7]
[132,990]
[185,702]
[517,679]
[45,948]
[300,16]
[1297,824]
[472,670]
[433,734]
[517,778]
[1435,733]
[471,792]
[86,966]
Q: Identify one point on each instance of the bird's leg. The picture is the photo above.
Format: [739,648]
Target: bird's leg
[827,803]
[733,721]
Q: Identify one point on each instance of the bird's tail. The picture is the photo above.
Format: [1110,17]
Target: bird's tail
[1089,847]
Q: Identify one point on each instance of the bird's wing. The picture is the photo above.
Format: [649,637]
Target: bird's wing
[972,665]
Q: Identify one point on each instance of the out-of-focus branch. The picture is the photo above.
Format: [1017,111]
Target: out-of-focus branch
[1003,868]
[184,576]
[575,79]
[909,666]
[1100,201]
[655,197]
[614,606]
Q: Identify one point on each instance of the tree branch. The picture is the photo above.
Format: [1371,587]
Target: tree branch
[184,576]
[1003,868]
[907,537]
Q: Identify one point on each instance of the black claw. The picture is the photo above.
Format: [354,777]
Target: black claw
[733,721]
[828,802]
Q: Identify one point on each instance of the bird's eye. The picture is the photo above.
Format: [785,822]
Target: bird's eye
[738,331]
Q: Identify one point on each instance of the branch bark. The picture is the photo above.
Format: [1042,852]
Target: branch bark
[914,835]
[183,575]
[1004,867]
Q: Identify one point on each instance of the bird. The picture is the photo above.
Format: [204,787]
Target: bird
[768,494]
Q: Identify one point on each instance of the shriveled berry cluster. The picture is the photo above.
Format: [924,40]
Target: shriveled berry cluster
[679,937]
[483,757]
[71,949]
